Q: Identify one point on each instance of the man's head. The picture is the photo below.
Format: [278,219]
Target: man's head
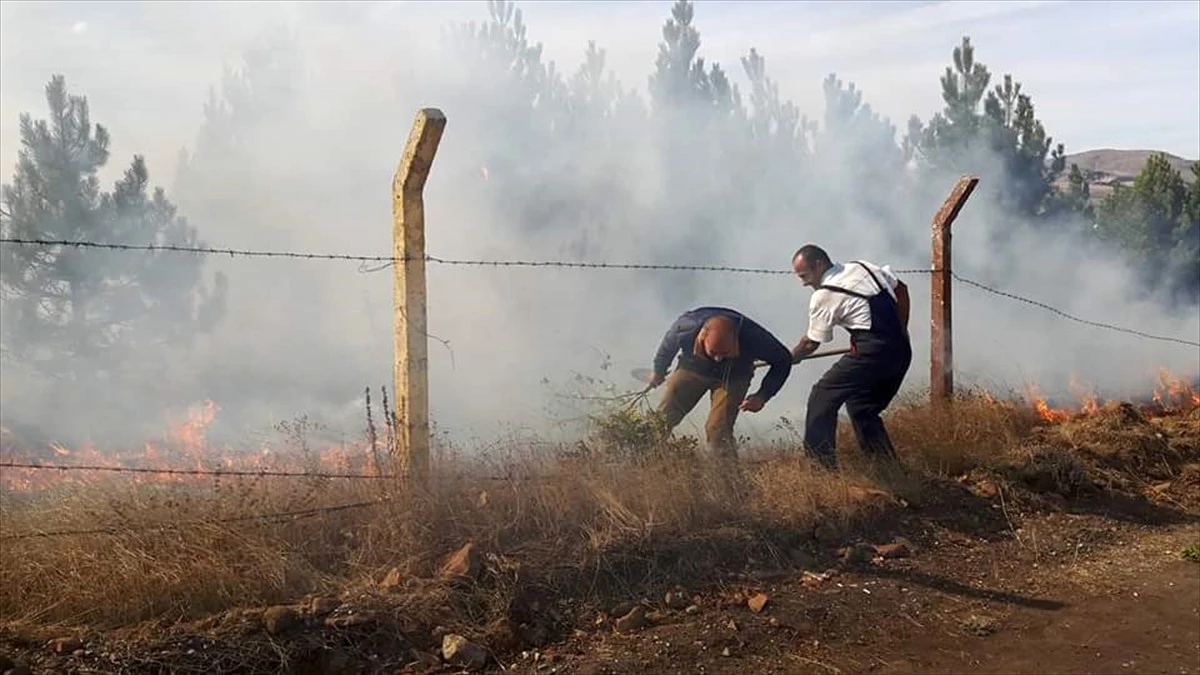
[809,263]
[719,338]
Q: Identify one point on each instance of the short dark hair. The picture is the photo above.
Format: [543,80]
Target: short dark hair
[812,253]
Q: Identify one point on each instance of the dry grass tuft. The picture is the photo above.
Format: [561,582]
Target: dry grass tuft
[945,441]
[600,518]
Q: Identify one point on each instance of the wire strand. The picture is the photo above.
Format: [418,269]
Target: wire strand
[1097,324]
[249,253]
[553,263]
[113,530]
[190,472]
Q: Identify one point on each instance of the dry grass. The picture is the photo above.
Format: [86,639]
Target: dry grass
[578,522]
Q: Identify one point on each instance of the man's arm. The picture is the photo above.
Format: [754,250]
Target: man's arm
[767,347]
[668,348]
[820,326]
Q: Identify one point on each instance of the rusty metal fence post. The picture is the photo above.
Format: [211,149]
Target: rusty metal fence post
[410,346]
[941,343]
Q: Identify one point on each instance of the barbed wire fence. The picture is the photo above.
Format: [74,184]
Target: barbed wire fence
[388,260]
[381,262]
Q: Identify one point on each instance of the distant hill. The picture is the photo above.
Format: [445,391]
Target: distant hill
[1106,168]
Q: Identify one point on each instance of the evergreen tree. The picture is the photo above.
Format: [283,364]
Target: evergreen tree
[777,128]
[1154,221]
[965,138]
[74,311]
[233,168]
[778,143]
[859,148]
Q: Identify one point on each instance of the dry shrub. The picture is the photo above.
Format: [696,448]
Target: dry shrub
[950,440]
[1120,446]
[613,514]
[175,554]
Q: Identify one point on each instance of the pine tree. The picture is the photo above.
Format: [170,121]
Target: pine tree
[70,310]
[1154,221]
[963,138]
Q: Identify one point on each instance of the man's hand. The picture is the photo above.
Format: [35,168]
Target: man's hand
[656,379]
[803,349]
[752,404]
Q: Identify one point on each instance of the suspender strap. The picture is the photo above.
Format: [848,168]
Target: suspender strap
[872,274]
[839,289]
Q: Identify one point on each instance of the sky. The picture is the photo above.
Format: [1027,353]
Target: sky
[1082,62]
[309,335]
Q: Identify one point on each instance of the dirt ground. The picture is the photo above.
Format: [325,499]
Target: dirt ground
[1078,594]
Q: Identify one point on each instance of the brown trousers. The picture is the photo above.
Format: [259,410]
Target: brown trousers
[685,388]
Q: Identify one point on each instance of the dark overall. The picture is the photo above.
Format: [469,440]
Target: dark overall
[865,380]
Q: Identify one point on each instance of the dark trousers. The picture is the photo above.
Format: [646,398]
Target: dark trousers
[865,385]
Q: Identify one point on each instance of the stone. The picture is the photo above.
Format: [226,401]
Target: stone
[811,579]
[65,645]
[986,489]
[757,602]
[278,619]
[676,601]
[633,621]
[890,551]
[979,625]
[692,609]
[466,562]
[460,652]
[858,553]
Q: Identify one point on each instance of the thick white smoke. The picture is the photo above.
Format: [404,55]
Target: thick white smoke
[317,134]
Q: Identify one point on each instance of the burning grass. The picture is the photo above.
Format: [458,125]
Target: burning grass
[595,519]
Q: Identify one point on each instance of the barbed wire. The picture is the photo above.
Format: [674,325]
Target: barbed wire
[191,472]
[389,260]
[113,529]
[1097,324]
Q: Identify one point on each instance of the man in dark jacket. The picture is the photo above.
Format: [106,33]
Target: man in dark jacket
[717,349]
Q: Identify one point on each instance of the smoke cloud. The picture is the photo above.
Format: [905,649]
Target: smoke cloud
[298,153]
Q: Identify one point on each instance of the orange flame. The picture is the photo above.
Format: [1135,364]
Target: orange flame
[186,445]
[1172,395]
[1043,409]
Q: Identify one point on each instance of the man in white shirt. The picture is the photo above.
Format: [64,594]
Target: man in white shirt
[873,306]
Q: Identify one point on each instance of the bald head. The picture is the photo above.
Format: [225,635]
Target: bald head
[719,338]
